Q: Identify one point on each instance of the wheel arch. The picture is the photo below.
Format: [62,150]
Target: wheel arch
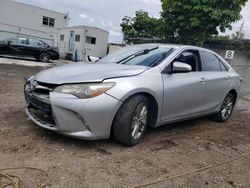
[154,106]
[234,93]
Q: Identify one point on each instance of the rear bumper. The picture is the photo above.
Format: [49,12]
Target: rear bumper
[87,119]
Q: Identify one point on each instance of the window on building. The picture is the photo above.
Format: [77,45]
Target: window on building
[48,21]
[210,62]
[61,37]
[77,38]
[90,40]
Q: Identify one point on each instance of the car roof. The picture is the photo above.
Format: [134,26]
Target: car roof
[175,46]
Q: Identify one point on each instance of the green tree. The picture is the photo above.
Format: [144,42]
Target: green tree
[140,26]
[192,21]
[127,28]
[184,21]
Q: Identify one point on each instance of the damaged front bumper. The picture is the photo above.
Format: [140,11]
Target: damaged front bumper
[87,119]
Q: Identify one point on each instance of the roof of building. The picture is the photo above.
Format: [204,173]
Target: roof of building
[84,27]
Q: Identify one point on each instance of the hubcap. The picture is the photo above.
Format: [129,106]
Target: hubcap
[227,108]
[139,120]
[45,58]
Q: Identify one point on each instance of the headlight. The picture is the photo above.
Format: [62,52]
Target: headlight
[85,90]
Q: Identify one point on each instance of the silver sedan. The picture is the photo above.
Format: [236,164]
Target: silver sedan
[134,88]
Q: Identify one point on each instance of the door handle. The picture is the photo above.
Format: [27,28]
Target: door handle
[203,80]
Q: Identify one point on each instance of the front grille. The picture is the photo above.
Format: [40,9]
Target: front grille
[43,88]
[38,104]
[37,97]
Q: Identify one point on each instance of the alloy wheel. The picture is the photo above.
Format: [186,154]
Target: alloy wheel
[44,57]
[227,107]
[139,121]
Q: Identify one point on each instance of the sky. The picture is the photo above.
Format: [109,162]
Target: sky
[107,14]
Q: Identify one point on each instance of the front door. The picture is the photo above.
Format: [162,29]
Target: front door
[184,93]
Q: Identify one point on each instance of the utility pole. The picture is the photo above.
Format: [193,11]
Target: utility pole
[241,34]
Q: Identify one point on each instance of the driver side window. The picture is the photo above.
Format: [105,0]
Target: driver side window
[190,57]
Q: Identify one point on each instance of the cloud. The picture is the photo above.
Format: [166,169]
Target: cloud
[83,16]
[109,13]
[115,33]
[104,14]
[91,19]
[245,13]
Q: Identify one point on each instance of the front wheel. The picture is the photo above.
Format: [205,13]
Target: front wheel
[44,57]
[226,109]
[131,121]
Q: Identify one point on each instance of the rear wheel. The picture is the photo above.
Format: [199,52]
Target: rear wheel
[226,109]
[44,57]
[131,121]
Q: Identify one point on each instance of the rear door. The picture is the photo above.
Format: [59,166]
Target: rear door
[217,80]
[184,93]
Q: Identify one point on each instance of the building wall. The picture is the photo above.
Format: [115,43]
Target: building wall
[101,46]
[84,49]
[26,20]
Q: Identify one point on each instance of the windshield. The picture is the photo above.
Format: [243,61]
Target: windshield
[138,55]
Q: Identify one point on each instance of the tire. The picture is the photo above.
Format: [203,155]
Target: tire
[44,57]
[226,109]
[131,121]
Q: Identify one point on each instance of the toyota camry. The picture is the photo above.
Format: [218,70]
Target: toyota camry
[132,89]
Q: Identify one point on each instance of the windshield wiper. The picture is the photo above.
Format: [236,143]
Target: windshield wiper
[142,52]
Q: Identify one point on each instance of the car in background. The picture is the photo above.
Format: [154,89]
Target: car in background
[27,47]
[135,88]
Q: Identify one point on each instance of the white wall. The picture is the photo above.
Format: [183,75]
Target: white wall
[100,48]
[19,18]
[83,48]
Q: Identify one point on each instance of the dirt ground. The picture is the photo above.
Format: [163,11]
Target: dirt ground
[165,152]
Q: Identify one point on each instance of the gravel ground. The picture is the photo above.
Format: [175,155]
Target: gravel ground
[165,152]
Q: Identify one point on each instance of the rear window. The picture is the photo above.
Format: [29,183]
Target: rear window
[210,62]
[35,43]
[223,67]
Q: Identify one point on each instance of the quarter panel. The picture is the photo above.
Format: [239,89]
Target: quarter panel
[218,85]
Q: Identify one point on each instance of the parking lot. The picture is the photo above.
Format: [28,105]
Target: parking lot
[174,155]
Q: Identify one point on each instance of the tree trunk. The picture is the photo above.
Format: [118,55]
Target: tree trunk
[203,37]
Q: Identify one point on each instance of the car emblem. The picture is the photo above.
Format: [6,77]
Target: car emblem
[34,85]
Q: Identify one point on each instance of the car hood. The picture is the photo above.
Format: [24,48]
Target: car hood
[79,73]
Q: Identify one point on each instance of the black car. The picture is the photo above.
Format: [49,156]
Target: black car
[26,47]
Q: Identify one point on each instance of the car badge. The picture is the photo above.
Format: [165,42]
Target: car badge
[34,85]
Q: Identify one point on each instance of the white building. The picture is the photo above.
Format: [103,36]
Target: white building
[84,41]
[19,19]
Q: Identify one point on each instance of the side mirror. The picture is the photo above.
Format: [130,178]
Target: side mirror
[179,67]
